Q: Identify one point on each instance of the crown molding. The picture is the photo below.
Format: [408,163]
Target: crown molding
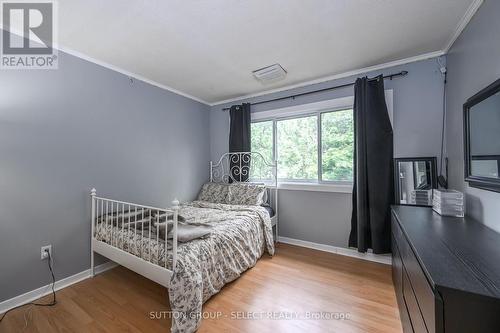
[128,73]
[364,70]
[114,68]
[473,8]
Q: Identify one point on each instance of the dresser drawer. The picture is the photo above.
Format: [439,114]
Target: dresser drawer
[397,269]
[422,290]
[417,322]
[397,278]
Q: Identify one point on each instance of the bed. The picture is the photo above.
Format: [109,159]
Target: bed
[236,225]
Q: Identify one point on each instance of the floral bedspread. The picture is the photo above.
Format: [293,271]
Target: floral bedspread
[204,266]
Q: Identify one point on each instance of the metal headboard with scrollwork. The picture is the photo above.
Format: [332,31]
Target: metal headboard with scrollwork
[248,167]
[243,167]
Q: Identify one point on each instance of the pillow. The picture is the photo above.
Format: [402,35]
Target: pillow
[185,232]
[215,193]
[159,222]
[265,198]
[161,218]
[247,194]
[137,225]
[161,228]
[188,232]
[116,218]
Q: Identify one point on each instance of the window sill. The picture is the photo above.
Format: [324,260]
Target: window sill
[314,187]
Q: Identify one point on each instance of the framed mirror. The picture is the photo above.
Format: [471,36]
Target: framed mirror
[415,177]
[482,138]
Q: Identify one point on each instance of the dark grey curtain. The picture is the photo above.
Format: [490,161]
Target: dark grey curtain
[373,191]
[239,140]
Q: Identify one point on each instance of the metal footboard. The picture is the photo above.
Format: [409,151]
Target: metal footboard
[124,218]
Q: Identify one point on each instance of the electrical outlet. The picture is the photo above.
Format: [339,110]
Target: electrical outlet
[43,252]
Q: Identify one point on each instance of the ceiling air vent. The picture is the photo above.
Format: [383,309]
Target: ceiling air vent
[270,74]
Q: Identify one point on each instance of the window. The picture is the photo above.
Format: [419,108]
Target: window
[337,145]
[295,141]
[297,149]
[262,139]
[262,142]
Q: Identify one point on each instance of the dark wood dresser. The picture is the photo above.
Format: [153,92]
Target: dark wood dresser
[446,272]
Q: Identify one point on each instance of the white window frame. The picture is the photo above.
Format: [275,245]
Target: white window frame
[315,109]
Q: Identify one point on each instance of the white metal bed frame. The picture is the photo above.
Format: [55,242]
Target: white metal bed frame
[229,167]
[238,167]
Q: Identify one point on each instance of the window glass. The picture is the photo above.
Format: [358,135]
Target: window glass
[262,142]
[337,145]
[297,149]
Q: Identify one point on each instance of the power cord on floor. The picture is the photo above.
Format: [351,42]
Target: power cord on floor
[54,301]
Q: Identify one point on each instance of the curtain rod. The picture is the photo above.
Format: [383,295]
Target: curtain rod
[390,77]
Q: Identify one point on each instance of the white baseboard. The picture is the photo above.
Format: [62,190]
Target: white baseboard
[66,282]
[30,296]
[380,258]
[104,267]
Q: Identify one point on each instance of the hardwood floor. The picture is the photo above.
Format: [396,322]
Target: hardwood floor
[296,281]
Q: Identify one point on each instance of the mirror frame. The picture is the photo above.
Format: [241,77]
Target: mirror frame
[434,183]
[485,183]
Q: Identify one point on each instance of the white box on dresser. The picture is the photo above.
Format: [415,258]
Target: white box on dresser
[448,202]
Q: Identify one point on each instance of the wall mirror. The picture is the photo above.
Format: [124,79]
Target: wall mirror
[482,138]
[415,177]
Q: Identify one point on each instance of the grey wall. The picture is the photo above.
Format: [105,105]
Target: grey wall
[323,217]
[473,64]
[64,131]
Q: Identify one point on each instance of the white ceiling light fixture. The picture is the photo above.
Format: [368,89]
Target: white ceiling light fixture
[270,74]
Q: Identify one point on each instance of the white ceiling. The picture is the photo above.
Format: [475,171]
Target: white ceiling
[208,49]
